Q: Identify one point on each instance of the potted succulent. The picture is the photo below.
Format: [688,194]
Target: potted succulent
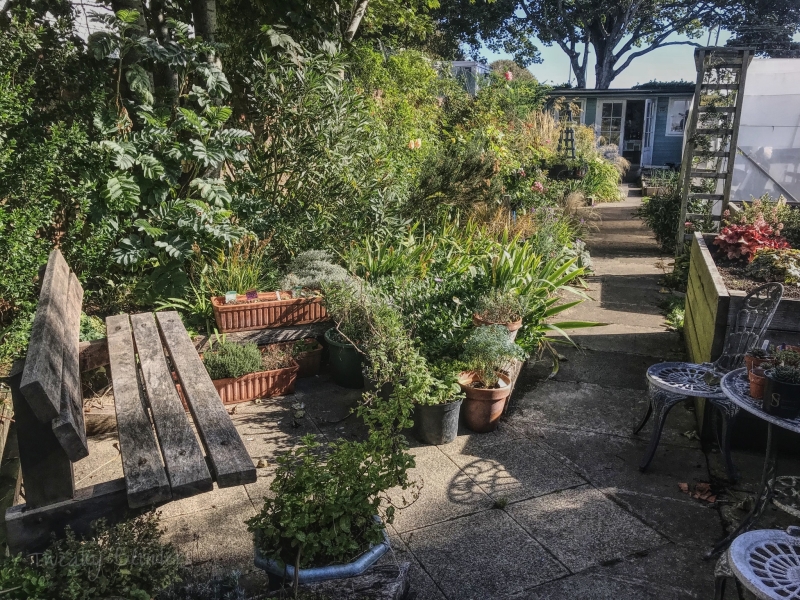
[487,353]
[782,391]
[299,302]
[436,414]
[307,353]
[244,372]
[757,357]
[500,307]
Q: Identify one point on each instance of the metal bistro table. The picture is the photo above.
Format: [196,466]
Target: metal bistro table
[782,491]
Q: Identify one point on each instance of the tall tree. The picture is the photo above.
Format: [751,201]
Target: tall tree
[618,31]
[769,26]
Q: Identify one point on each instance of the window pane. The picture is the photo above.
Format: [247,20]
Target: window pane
[606,110]
[617,109]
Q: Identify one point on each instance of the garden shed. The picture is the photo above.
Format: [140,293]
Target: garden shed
[646,122]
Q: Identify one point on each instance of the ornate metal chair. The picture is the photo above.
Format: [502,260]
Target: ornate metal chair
[671,382]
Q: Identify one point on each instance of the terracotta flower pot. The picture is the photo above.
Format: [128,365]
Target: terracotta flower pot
[272,309]
[512,327]
[752,362]
[757,381]
[263,384]
[483,407]
[309,361]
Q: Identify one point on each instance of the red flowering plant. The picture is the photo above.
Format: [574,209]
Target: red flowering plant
[740,241]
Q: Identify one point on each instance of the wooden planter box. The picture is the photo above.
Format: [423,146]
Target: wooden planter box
[711,310]
[273,309]
[252,386]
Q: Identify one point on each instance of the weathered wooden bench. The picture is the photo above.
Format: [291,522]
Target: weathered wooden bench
[162,458]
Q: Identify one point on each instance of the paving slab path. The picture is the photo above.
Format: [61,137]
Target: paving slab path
[551,504]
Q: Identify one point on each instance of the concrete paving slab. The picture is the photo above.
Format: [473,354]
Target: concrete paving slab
[211,528]
[104,462]
[684,521]
[582,527]
[609,369]
[271,428]
[613,462]
[597,409]
[594,311]
[444,492]
[482,556]
[666,573]
[513,470]
[420,582]
[661,344]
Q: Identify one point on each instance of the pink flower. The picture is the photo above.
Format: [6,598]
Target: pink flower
[689,225]
[537,186]
[508,75]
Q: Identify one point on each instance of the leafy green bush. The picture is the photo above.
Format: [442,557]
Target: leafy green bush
[661,214]
[500,306]
[228,359]
[127,560]
[243,267]
[92,328]
[487,350]
[775,265]
[312,270]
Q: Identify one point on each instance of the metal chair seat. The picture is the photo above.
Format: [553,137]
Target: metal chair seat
[688,379]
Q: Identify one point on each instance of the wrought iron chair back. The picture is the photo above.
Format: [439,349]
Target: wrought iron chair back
[750,326]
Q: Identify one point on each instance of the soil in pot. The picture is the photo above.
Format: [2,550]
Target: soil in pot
[781,399]
[483,407]
[346,362]
[512,327]
[436,424]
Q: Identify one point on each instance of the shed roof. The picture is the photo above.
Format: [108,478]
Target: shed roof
[686,90]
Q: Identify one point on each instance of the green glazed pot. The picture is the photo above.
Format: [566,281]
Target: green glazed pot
[346,363]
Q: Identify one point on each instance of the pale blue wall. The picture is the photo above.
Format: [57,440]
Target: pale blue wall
[666,148]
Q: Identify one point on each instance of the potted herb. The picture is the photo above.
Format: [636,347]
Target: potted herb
[782,391]
[487,352]
[244,372]
[351,308]
[436,414]
[307,353]
[500,307]
[299,302]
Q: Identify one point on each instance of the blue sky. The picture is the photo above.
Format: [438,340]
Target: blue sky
[664,64]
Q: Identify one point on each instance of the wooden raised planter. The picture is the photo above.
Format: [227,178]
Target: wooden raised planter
[252,386]
[272,309]
[711,310]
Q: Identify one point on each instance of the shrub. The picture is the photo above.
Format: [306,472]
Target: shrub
[242,267]
[786,374]
[232,360]
[500,306]
[742,241]
[92,328]
[775,265]
[312,270]
[487,350]
[127,560]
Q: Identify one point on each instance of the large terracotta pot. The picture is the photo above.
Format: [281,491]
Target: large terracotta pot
[512,327]
[483,407]
[272,309]
[263,384]
[757,381]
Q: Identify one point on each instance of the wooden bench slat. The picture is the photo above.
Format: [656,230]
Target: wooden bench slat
[227,454]
[186,467]
[69,427]
[145,476]
[41,379]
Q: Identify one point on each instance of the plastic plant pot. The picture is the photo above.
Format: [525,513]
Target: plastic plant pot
[780,398]
[346,363]
[436,424]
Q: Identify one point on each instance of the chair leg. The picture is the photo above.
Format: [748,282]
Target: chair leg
[728,411]
[661,402]
[719,587]
[647,412]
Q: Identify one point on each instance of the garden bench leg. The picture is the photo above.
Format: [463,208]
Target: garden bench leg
[661,403]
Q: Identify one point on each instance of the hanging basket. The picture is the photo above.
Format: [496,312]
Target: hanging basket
[271,309]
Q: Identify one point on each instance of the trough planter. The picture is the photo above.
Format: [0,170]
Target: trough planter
[316,574]
[483,407]
[711,309]
[512,327]
[310,361]
[252,386]
[272,309]
[436,424]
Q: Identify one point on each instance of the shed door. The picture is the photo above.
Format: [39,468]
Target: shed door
[649,131]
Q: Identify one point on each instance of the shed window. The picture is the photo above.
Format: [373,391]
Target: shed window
[611,122]
[677,114]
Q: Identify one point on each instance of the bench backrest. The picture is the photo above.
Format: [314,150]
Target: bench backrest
[51,382]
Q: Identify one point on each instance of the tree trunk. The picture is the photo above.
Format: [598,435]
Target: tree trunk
[357,14]
[204,13]
[165,77]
